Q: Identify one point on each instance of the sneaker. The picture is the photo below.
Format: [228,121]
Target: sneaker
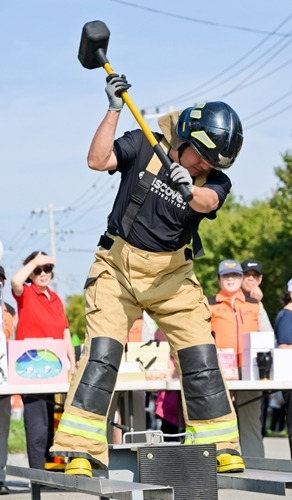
[3,489]
[79,466]
[229,463]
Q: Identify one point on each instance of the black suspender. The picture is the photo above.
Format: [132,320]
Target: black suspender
[138,196]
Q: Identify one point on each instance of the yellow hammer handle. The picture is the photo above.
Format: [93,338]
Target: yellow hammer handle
[133,108]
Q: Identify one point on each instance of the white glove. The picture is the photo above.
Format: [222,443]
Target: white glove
[179,175]
[115,84]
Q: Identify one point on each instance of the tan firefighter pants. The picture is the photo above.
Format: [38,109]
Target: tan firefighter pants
[122,282]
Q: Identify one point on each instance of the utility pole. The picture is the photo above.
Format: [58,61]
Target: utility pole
[52,229]
[52,233]
[157,114]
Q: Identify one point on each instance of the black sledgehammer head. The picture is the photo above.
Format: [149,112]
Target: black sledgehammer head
[93,45]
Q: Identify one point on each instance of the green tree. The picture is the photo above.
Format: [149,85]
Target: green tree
[282,198]
[75,309]
[280,252]
[240,232]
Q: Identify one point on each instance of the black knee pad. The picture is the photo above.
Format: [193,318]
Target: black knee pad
[98,380]
[203,385]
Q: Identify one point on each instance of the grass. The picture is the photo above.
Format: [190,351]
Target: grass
[16,440]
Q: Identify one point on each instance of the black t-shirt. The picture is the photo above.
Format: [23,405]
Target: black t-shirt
[162,223]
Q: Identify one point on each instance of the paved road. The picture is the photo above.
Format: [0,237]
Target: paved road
[274,448]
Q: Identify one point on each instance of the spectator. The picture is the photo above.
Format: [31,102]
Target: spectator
[278,420]
[168,408]
[40,314]
[5,401]
[283,332]
[252,278]
[234,314]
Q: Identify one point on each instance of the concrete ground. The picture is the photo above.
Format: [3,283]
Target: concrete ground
[19,488]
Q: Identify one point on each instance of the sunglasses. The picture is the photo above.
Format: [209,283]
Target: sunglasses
[47,269]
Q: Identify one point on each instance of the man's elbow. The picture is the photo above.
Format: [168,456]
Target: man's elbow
[210,207]
[214,206]
[93,163]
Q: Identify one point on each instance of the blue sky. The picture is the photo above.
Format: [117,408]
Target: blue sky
[174,54]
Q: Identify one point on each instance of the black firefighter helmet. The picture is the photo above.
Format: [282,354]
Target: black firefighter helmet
[214,130]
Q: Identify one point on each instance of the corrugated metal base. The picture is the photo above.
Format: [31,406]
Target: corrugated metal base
[190,469]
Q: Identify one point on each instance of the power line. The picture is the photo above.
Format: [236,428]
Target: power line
[52,232]
[210,84]
[201,21]
[29,233]
[239,85]
[281,111]
[268,106]
[25,227]
[266,75]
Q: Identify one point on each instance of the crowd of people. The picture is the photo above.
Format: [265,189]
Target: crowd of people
[144,263]
[235,310]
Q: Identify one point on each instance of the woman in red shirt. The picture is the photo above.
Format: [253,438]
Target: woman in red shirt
[40,314]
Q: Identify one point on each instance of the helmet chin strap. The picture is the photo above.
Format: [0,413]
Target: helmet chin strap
[181,150]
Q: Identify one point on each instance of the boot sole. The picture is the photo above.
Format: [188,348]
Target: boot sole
[229,468]
[78,472]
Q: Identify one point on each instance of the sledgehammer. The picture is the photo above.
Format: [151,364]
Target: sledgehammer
[92,54]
